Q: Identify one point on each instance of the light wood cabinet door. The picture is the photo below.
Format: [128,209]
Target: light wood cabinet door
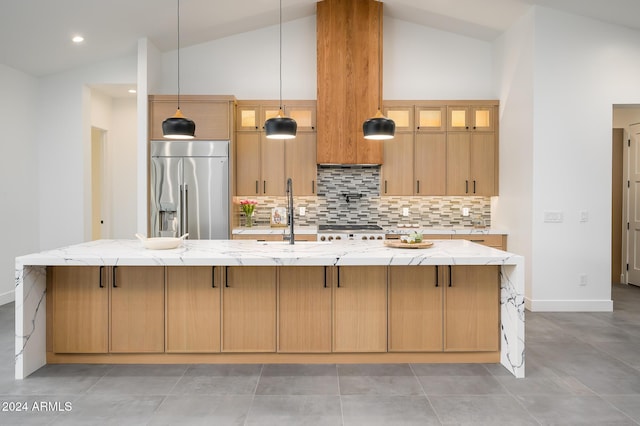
[249,309]
[272,166]
[415,309]
[248,118]
[402,116]
[137,309]
[193,309]
[397,170]
[304,306]
[483,118]
[212,118]
[304,115]
[472,309]
[430,164]
[360,309]
[80,305]
[458,159]
[483,164]
[300,161]
[248,161]
[431,118]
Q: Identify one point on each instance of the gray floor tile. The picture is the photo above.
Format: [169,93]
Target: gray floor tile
[72,385]
[461,385]
[480,410]
[128,385]
[222,370]
[628,404]
[537,386]
[295,410]
[73,370]
[558,409]
[157,370]
[216,385]
[374,370]
[380,385]
[110,410]
[202,410]
[299,370]
[451,370]
[298,385]
[387,410]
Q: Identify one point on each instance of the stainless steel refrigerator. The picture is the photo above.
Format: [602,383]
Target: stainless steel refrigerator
[190,189]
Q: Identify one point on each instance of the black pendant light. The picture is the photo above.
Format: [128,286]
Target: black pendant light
[379,127]
[280,127]
[178,126]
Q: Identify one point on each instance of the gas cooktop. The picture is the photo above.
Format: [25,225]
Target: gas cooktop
[348,228]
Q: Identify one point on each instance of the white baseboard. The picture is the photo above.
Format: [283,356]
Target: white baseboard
[7,297]
[569,305]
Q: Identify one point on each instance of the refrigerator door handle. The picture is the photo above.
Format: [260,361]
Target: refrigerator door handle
[186,210]
[180,225]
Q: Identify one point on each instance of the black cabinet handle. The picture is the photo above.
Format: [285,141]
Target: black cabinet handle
[474,186]
[226,276]
[418,187]
[338,277]
[325,277]
[257,187]
[100,274]
[466,186]
[474,127]
[313,186]
[437,278]
[450,283]
[115,273]
[264,186]
[385,186]
[213,277]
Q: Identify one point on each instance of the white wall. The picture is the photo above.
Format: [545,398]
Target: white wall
[18,174]
[512,210]
[425,63]
[577,79]
[63,144]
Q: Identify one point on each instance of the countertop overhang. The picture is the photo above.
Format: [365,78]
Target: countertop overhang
[272,253]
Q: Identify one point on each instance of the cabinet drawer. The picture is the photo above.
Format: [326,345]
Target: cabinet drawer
[492,240]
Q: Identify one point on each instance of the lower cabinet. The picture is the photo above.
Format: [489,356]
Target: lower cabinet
[193,308]
[415,309]
[472,309]
[137,309]
[360,309]
[249,309]
[80,309]
[304,310]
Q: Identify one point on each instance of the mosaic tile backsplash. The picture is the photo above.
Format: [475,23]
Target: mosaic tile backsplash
[351,195]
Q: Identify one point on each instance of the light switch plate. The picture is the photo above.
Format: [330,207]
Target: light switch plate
[405,211]
[302,211]
[465,211]
[553,216]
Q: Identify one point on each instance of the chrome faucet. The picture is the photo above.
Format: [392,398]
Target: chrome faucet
[291,236]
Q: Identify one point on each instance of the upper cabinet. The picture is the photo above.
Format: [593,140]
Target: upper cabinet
[213,115]
[480,118]
[349,51]
[441,148]
[263,165]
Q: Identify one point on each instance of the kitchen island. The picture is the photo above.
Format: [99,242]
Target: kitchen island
[259,290]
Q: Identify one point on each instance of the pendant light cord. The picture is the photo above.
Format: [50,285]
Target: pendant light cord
[280,54]
[178,54]
[380,55]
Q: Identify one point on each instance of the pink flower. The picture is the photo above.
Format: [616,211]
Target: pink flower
[248,206]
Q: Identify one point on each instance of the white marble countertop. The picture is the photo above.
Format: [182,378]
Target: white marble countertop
[253,253]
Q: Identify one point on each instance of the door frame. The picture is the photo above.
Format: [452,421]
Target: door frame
[626,208]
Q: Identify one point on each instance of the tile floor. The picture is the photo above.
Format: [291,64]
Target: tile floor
[582,368]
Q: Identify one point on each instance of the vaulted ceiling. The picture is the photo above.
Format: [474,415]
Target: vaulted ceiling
[35,35]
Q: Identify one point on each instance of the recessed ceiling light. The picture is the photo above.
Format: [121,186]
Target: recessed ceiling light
[132,91]
[77,39]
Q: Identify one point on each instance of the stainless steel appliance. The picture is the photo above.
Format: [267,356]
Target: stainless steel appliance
[190,189]
[339,233]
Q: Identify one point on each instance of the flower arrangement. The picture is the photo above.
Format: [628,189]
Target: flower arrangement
[248,206]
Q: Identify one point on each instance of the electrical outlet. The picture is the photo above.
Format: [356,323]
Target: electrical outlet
[465,211]
[405,211]
[302,211]
[583,280]
[584,216]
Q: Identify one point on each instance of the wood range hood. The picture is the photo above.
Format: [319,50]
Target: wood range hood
[349,36]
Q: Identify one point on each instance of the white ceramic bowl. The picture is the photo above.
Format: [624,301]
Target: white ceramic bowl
[161,243]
